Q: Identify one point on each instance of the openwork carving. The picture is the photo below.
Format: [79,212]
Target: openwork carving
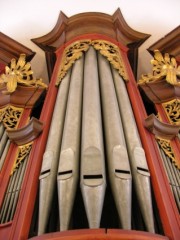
[10,116]
[107,49]
[163,67]
[22,153]
[20,73]
[70,55]
[113,55]
[172,109]
[166,147]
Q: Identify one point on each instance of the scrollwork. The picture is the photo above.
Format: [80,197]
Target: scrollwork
[19,73]
[167,148]
[22,153]
[172,109]
[10,116]
[76,49]
[163,67]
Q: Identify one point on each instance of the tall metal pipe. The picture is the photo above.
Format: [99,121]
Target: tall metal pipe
[68,170]
[51,156]
[117,156]
[18,188]
[3,142]
[3,156]
[2,129]
[93,179]
[139,167]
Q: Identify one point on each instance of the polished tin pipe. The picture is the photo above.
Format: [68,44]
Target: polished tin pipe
[93,179]
[117,156]
[68,169]
[51,156]
[139,167]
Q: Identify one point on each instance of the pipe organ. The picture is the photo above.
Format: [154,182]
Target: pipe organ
[94,165]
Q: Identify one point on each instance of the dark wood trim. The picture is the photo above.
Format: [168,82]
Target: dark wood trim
[27,133]
[160,129]
[160,91]
[168,44]
[10,48]
[23,97]
[81,24]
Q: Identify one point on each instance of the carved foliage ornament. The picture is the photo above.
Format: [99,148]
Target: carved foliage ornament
[172,109]
[10,116]
[163,67]
[20,73]
[22,153]
[166,147]
[107,49]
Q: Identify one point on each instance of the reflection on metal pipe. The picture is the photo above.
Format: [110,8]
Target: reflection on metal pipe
[51,156]
[3,142]
[3,156]
[2,129]
[171,175]
[68,170]
[140,172]
[93,180]
[118,163]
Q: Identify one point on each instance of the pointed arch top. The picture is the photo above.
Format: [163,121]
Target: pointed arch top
[68,28]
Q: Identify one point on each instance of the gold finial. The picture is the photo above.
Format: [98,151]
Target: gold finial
[163,67]
[19,73]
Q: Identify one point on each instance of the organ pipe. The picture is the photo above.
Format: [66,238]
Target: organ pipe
[93,179]
[51,156]
[139,167]
[117,156]
[68,170]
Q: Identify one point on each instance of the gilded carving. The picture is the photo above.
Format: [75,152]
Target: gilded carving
[163,67]
[166,147]
[172,109]
[19,73]
[112,53]
[10,116]
[76,49]
[22,153]
[70,55]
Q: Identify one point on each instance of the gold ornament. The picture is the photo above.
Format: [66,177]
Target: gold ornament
[76,49]
[22,153]
[10,116]
[163,67]
[166,147]
[172,109]
[19,73]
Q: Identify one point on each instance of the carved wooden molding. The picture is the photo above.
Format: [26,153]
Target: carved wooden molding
[78,25]
[160,129]
[26,134]
[10,48]
[169,43]
[22,97]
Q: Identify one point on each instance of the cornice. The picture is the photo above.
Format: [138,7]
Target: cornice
[23,97]
[10,48]
[81,24]
[170,43]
